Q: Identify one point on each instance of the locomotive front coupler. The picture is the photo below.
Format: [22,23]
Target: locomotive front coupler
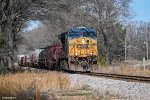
[74,60]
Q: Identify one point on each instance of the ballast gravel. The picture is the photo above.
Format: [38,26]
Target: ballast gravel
[120,88]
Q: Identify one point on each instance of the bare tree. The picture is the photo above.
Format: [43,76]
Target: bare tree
[12,16]
[138,40]
[109,14]
[61,15]
[103,15]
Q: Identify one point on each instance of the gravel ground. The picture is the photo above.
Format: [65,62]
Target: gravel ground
[116,88]
[119,88]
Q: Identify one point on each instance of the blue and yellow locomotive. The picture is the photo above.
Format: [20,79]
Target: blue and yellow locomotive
[80,48]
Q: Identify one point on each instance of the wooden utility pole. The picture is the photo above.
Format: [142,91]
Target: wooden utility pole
[125,48]
[147,46]
[125,42]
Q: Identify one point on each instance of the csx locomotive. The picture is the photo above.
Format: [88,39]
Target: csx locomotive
[80,47]
[77,51]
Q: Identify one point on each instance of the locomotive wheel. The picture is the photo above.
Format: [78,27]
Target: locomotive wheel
[63,65]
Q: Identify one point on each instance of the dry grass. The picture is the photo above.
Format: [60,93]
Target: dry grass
[28,85]
[126,70]
[133,71]
[44,86]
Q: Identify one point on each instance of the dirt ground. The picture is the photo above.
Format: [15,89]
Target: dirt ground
[79,95]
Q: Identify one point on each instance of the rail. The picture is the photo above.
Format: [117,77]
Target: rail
[129,78]
[116,76]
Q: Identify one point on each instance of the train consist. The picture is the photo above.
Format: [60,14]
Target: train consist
[77,51]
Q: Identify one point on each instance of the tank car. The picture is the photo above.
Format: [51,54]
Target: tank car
[51,57]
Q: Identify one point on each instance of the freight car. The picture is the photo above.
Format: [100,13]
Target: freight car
[29,59]
[23,59]
[51,57]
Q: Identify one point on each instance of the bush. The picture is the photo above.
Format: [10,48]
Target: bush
[101,61]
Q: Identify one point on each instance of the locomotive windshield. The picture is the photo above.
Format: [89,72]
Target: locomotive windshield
[89,34]
[74,35]
[82,34]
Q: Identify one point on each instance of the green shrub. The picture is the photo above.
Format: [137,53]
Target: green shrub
[101,61]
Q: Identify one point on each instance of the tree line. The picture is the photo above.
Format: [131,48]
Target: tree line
[137,40]
[105,16]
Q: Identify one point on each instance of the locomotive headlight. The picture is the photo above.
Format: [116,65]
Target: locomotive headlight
[76,53]
[91,53]
[83,41]
[78,46]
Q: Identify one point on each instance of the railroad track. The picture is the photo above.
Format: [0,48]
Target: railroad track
[106,75]
[117,76]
